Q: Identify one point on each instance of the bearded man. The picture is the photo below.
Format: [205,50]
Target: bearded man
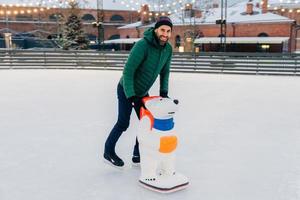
[151,56]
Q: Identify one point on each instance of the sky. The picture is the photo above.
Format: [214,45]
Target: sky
[238,136]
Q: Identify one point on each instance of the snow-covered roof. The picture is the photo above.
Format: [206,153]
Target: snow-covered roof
[39,31]
[282,3]
[235,14]
[122,41]
[117,4]
[242,40]
[7,30]
[132,25]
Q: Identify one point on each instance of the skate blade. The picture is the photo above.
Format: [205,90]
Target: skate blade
[135,165]
[112,165]
[164,190]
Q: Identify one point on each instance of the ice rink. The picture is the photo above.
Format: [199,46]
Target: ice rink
[239,137]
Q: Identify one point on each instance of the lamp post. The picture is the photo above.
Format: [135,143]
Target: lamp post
[7,12]
[222,23]
[99,23]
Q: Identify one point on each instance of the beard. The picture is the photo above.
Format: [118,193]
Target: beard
[163,40]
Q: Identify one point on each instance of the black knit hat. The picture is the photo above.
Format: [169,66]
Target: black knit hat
[163,20]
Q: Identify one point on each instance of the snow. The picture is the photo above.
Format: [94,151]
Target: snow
[282,3]
[239,137]
[122,41]
[245,40]
[235,14]
[132,25]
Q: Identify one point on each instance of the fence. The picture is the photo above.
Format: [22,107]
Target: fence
[203,62]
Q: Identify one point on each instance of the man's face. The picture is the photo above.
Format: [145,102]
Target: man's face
[163,33]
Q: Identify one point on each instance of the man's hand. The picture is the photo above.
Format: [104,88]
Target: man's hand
[164,94]
[137,104]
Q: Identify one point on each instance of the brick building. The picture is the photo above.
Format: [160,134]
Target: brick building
[247,20]
[250,26]
[44,22]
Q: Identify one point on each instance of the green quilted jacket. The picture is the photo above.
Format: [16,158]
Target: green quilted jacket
[146,61]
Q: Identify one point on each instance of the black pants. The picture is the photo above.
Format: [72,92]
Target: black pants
[124,112]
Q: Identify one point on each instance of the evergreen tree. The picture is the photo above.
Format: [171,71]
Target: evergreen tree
[73,37]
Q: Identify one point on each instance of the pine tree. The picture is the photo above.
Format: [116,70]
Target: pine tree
[73,37]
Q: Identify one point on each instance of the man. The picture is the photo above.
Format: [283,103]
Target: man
[149,57]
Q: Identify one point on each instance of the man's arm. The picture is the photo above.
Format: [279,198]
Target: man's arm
[164,78]
[135,58]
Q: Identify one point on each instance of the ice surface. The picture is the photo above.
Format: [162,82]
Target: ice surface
[239,137]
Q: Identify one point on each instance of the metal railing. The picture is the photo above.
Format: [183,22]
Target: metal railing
[203,62]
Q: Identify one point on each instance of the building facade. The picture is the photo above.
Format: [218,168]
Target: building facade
[195,31]
[250,27]
[47,23]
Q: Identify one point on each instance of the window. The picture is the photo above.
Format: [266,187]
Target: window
[56,17]
[117,18]
[263,35]
[91,37]
[114,37]
[24,17]
[177,41]
[88,17]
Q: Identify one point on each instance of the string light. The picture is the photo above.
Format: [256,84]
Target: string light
[284,6]
[44,3]
[167,6]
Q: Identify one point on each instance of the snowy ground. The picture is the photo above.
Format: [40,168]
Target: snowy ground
[239,137]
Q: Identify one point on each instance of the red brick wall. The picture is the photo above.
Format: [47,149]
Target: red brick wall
[253,30]
[233,30]
[110,28]
[297,40]
[128,32]
[236,30]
